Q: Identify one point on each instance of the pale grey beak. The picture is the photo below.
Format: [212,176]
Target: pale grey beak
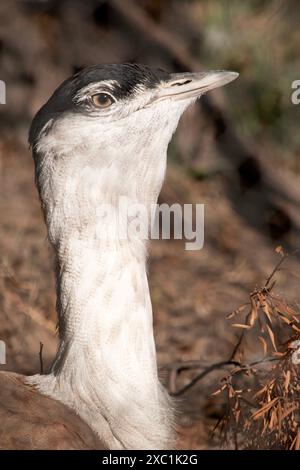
[192,85]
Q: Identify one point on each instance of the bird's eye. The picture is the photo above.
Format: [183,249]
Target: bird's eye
[102,100]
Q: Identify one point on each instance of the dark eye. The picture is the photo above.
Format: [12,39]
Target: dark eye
[102,100]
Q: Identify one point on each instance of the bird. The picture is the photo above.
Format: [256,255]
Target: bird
[103,135]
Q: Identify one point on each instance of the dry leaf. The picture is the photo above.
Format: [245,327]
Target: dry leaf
[264,344]
[266,310]
[264,409]
[237,311]
[279,250]
[287,380]
[253,313]
[239,325]
[272,337]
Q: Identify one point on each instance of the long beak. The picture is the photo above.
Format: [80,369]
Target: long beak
[182,86]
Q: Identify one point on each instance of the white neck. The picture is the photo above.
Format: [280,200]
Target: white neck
[105,366]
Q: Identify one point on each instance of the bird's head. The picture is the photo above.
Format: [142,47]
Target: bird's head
[108,104]
[113,122]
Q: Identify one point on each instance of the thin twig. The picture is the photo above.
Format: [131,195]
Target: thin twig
[184,365]
[237,346]
[270,277]
[220,365]
[41,358]
[201,375]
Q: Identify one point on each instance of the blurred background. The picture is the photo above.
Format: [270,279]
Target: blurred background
[237,151]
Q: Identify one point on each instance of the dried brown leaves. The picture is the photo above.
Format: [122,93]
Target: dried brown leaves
[262,396]
[266,413]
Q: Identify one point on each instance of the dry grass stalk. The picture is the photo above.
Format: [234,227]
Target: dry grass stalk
[264,412]
[262,396]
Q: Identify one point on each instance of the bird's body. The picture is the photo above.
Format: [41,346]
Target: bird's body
[31,421]
[104,135]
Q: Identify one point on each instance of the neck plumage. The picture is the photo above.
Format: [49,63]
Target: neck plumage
[105,366]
